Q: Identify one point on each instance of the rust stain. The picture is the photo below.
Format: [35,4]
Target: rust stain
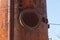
[3,11]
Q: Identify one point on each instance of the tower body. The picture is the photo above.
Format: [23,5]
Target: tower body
[29,20]
[23,20]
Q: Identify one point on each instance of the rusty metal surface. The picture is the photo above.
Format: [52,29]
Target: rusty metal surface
[23,32]
[17,31]
[3,19]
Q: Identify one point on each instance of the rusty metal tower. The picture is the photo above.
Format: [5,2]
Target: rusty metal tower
[29,20]
[24,20]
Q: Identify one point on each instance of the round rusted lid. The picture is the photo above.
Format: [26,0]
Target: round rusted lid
[30,18]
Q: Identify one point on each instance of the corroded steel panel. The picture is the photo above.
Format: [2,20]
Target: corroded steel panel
[23,15]
[27,20]
[3,19]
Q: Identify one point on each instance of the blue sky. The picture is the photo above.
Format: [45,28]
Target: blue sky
[53,13]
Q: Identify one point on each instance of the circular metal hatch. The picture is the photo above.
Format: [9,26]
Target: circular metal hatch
[29,18]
